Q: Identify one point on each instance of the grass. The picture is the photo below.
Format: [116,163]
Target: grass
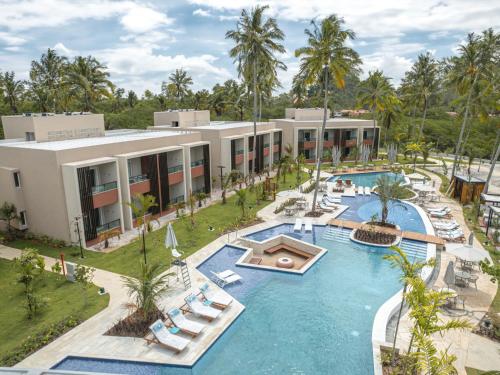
[126,259]
[473,371]
[65,298]
[350,163]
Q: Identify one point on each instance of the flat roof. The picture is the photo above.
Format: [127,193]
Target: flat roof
[470,179]
[221,125]
[330,120]
[110,137]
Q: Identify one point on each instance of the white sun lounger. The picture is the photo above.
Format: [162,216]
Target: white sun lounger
[225,278]
[217,297]
[368,190]
[198,308]
[298,225]
[164,338]
[324,207]
[451,235]
[329,199]
[439,225]
[327,203]
[184,324]
[360,190]
[308,226]
[439,210]
[439,214]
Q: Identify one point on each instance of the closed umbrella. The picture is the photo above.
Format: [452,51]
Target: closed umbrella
[449,276]
[468,253]
[171,241]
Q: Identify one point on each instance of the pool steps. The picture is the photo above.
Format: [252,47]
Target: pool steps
[411,248]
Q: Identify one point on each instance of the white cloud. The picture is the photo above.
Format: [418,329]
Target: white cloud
[63,50]
[202,13]
[10,39]
[393,66]
[140,19]
[228,18]
[13,49]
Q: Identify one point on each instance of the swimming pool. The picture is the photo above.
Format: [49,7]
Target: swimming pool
[318,323]
[365,179]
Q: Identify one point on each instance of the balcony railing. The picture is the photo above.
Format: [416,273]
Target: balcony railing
[266,145]
[108,226]
[138,178]
[312,139]
[239,152]
[104,187]
[177,168]
[178,199]
[200,190]
[197,163]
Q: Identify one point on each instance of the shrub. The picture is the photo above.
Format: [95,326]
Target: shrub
[309,188]
[287,203]
[35,342]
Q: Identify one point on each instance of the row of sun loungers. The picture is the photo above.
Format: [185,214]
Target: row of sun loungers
[209,308]
[225,277]
[364,190]
[308,227]
[449,230]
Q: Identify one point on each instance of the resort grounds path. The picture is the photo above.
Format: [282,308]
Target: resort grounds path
[472,350]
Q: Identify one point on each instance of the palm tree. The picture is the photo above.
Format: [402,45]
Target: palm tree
[89,78]
[13,90]
[299,163]
[391,115]
[299,91]
[257,41]
[47,78]
[241,201]
[429,361]
[414,148]
[388,190]
[147,289]
[181,82]
[327,54]
[375,93]
[475,61]
[141,206]
[408,270]
[131,98]
[492,168]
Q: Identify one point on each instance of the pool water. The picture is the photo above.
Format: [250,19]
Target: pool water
[317,323]
[366,179]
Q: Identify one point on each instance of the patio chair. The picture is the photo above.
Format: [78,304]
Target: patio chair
[368,191]
[473,280]
[224,278]
[217,297]
[361,191]
[459,300]
[201,310]
[348,183]
[184,324]
[163,337]
[308,227]
[298,225]
[339,183]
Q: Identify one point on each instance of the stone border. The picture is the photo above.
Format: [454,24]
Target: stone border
[353,232]
[391,306]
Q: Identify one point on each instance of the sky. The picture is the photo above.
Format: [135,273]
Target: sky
[142,42]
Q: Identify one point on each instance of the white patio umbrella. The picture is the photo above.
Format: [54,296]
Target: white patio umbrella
[289,194]
[424,188]
[416,176]
[467,252]
[171,241]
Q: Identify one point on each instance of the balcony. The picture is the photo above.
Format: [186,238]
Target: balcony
[368,142]
[238,159]
[328,143]
[266,151]
[250,155]
[139,184]
[197,168]
[308,144]
[109,226]
[105,194]
[175,174]
[351,142]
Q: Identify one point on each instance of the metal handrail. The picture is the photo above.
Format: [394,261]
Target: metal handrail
[104,187]
[110,225]
[197,163]
[177,168]
[138,178]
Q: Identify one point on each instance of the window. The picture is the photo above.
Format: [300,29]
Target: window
[175,124]
[325,136]
[307,136]
[17,179]
[22,218]
[30,136]
[365,134]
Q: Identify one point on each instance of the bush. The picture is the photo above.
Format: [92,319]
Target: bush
[287,203]
[309,188]
[34,343]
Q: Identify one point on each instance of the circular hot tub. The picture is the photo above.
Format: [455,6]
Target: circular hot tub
[285,262]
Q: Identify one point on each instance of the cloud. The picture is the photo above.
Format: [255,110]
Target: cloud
[63,50]
[393,66]
[202,13]
[141,19]
[10,39]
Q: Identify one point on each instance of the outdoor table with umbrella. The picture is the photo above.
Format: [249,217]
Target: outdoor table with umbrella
[424,188]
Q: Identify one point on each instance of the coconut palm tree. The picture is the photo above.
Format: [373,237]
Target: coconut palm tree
[47,77]
[241,201]
[391,115]
[13,90]
[408,270]
[476,60]
[89,78]
[299,91]
[147,288]
[375,93]
[181,82]
[141,206]
[388,190]
[414,148]
[327,54]
[257,40]
[431,362]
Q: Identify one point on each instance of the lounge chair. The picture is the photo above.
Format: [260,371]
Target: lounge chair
[331,199]
[339,182]
[445,226]
[201,310]
[360,190]
[218,298]
[452,235]
[163,337]
[325,208]
[348,183]
[184,324]
[308,225]
[368,191]
[439,210]
[225,278]
[439,214]
[298,225]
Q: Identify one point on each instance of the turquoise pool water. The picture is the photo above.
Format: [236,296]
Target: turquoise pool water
[318,323]
[365,179]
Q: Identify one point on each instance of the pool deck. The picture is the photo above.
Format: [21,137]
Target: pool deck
[405,234]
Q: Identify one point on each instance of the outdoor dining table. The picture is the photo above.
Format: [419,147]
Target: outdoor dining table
[464,276]
[301,205]
[289,211]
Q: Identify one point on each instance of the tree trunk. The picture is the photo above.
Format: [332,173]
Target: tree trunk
[320,150]
[421,131]
[254,164]
[374,132]
[462,129]
[397,324]
[492,167]
[412,122]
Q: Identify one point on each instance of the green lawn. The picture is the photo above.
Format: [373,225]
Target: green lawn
[65,299]
[350,163]
[126,260]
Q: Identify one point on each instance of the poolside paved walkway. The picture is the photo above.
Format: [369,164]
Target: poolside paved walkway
[471,350]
